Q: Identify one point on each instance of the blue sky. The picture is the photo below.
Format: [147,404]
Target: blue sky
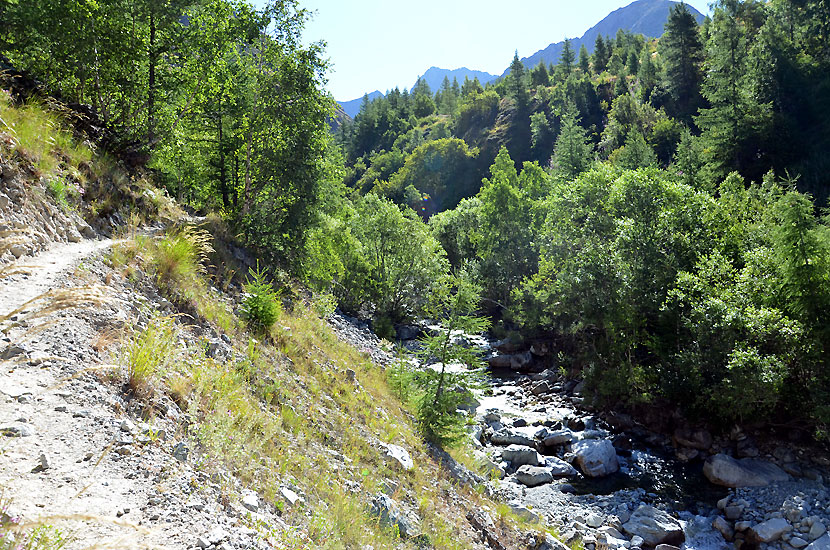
[381,44]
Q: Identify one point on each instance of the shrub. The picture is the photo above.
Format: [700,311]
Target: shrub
[180,256]
[261,306]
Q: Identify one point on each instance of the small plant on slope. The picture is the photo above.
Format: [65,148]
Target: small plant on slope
[261,306]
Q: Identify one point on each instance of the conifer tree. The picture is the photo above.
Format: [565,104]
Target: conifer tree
[601,55]
[572,153]
[566,61]
[682,52]
[584,60]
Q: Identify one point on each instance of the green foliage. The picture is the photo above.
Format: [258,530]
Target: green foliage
[180,256]
[445,386]
[261,306]
[572,153]
[148,354]
[681,49]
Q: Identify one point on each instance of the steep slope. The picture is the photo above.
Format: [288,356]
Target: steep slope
[645,17]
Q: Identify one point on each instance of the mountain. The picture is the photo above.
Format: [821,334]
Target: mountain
[645,17]
[435,76]
[353,107]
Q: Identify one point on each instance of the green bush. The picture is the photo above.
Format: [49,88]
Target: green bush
[261,306]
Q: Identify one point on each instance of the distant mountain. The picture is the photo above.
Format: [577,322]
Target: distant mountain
[435,77]
[645,17]
[353,107]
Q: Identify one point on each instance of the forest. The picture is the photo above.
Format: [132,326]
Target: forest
[654,208]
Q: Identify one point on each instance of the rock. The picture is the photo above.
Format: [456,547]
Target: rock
[695,439]
[180,452]
[724,470]
[769,530]
[822,543]
[797,542]
[499,361]
[17,250]
[506,436]
[686,454]
[17,430]
[742,526]
[518,455]
[400,456]
[521,361]
[559,468]
[250,501]
[594,520]
[596,458]
[654,526]
[666,547]
[552,543]
[290,496]
[391,515]
[733,512]
[783,454]
[533,476]
[524,512]
[540,388]
[12,351]
[558,437]
[407,332]
[817,529]
[637,541]
[724,528]
[128,427]
[519,422]
[745,448]
[42,464]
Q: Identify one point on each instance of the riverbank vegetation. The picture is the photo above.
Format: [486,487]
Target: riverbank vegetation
[654,209]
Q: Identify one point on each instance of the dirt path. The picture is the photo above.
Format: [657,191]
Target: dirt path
[72,444]
[44,271]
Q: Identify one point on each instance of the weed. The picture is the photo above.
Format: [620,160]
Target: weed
[149,353]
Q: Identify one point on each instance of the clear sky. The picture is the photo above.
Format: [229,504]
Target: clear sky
[381,44]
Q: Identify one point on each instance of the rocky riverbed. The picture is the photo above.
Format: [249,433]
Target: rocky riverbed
[611,483]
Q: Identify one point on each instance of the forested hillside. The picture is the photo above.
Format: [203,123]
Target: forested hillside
[652,209]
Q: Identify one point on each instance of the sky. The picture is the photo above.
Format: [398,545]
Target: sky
[381,44]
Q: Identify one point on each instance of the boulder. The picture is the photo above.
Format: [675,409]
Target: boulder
[559,468]
[400,456]
[596,458]
[695,439]
[769,531]
[391,515]
[558,437]
[822,543]
[724,470]
[540,388]
[506,436]
[499,361]
[518,455]
[654,526]
[533,475]
[521,361]
[724,528]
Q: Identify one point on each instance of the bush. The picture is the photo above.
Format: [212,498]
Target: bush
[261,306]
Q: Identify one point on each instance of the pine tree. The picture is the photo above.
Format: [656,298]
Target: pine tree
[584,60]
[516,83]
[539,76]
[682,52]
[601,55]
[572,153]
[566,61]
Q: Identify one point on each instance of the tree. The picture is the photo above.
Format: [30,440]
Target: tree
[572,153]
[539,76]
[447,384]
[601,55]
[566,60]
[584,60]
[682,52]
[516,83]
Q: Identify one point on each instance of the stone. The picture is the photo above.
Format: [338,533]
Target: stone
[817,529]
[558,437]
[180,452]
[518,455]
[666,547]
[559,468]
[400,456]
[768,531]
[733,512]
[540,388]
[250,500]
[742,526]
[17,430]
[822,543]
[533,476]
[596,458]
[506,436]
[524,512]
[521,361]
[654,526]
[291,497]
[42,464]
[217,535]
[725,529]
[594,520]
[724,470]
[797,542]
[391,515]
[637,541]
[695,439]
